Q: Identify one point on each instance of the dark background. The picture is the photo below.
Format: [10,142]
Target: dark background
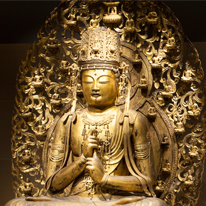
[19,23]
[21,20]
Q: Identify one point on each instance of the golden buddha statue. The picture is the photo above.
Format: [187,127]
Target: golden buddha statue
[101,154]
[97,159]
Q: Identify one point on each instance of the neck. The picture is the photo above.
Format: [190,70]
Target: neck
[98,110]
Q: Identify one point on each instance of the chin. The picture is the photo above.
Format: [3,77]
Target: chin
[97,104]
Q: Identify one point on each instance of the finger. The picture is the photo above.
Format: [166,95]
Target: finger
[93,146]
[92,138]
[89,167]
[90,159]
[95,153]
[93,131]
[92,141]
[89,164]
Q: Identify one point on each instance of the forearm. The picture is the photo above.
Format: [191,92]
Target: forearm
[124,183]
[147,168]
[68,174]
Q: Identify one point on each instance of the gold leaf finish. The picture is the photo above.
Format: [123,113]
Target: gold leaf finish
[155,88]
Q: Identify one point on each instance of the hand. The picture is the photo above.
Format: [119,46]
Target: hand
[90,144]
[95,168]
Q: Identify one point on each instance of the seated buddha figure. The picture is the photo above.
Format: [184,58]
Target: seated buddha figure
[100,154]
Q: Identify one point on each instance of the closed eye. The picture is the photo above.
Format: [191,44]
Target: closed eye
[103,82]
[104,79]
[87,80]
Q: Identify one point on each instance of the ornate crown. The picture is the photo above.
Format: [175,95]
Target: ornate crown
[100,49]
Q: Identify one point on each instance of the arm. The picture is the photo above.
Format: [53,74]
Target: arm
[69,173]
[142,147]
[141,144]
[142,153]
[124,183]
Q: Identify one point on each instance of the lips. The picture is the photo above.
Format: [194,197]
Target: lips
[95,95]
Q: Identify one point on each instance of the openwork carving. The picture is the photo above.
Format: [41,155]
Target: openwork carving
[166,87]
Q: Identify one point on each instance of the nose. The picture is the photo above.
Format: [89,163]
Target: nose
[95,87]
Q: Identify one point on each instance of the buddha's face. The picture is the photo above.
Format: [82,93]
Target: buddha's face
[99,87]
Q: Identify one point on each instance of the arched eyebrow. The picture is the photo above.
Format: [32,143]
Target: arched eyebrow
[87,76]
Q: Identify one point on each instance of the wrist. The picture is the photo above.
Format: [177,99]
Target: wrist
[83,158]
[104,180]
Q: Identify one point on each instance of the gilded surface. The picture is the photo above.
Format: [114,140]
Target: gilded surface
[161,78]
